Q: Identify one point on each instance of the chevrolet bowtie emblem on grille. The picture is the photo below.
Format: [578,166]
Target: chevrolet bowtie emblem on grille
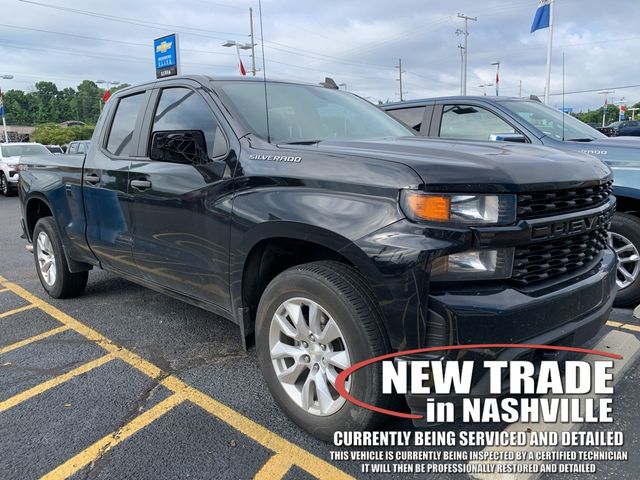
[164,46]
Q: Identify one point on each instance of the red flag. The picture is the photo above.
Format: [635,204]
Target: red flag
[106,96]
[243,72]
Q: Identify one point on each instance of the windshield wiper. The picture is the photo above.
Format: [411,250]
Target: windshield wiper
[301,142]
[580,140]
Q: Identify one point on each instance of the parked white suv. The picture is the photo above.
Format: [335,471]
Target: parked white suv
[10,154]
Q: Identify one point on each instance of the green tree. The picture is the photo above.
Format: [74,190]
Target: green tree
[53,134]
[82,132]
[20,108]
[46,104]
[87,102]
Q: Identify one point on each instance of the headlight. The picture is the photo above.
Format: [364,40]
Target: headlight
[473,265]
[459,209]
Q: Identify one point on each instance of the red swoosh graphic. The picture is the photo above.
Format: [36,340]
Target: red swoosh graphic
[342,377]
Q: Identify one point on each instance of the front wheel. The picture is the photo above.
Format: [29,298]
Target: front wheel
[4,185]
[314,321]
[51,262]
[625,240]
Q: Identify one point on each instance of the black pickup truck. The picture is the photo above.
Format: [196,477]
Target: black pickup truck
[328,231]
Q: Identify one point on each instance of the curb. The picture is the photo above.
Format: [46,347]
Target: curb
[619,342]
[636,312]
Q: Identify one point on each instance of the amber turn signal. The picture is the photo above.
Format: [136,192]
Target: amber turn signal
[435,208]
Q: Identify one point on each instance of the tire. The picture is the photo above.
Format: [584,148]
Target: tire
[625,239]
[51,262]
[343,296]
[4,185]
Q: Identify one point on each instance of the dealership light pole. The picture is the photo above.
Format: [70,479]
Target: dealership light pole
[242,46]
[484,87]
[497,64]
[604,108]
[108,83]
[399,79]
[633,111]
[4,121]
[465,32]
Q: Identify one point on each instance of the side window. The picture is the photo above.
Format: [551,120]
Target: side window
[471,123]
[411,117]
[73,148]
[121,141]
[81,148]
[183,109]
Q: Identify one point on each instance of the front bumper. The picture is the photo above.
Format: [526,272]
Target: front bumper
[568,314]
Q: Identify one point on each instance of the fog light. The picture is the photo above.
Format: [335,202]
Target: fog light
[473,265]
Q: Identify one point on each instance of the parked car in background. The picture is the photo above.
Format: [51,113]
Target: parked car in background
[624,128]
[10,155]
[55,149]
[78,147]
[529,121]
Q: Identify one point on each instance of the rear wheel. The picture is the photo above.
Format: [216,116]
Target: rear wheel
[314,321]
[51,262]
[4,185]
[625,240]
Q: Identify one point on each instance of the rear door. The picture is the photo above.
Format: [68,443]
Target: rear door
[181,211]
[105,183]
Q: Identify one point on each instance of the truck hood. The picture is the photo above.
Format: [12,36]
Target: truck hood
[479,166]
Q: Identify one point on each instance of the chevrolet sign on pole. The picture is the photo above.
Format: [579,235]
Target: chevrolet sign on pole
[167,56]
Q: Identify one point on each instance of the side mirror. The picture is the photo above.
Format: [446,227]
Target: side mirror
[179,146]
[508,137]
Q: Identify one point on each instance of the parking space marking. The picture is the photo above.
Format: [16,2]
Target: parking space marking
[626,326]
[54,382]
[35,338]
[106,443]
[2,290]
[276,467]
[285,452]
[16,310]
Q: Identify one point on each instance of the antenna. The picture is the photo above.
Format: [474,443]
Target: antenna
[264,73]
[563,112]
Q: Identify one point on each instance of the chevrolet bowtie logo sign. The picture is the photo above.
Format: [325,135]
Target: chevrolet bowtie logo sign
[164,46]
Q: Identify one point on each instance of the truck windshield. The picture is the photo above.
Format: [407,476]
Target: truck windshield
[550,121]
[304,114]
[24,150]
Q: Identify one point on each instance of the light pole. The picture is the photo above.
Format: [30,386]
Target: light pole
[497,64]
[243,46]
[108,83]
[633,111]
[484,87]
[4,121]
[604,108]
[465,32]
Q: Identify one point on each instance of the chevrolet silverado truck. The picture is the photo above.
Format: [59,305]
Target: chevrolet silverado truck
[328,231]
[529,121]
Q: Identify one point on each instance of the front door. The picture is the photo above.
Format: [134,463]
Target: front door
[180,206]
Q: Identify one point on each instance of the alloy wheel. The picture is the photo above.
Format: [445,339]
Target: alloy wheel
[628,260]
[46,259]
[308,351]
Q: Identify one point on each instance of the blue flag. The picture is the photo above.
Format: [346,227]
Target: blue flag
[1,105]
[541,20]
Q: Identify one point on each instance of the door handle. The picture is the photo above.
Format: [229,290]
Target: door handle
[92,178]
[140,184]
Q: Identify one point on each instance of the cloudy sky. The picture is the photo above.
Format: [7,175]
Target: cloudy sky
[357,42]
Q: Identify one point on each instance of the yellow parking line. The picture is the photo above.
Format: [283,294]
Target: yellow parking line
[611,323]
[35,338]
[255,431]
[2,290]
[295,454]
[275,468]
[16,310]
[106,443]
[626,326]
[54,382]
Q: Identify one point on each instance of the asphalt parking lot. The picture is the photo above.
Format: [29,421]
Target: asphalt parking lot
[123,382]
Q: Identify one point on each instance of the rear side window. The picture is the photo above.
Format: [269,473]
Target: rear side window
[471,123]
[121,141]
[411,117]
[183,109]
